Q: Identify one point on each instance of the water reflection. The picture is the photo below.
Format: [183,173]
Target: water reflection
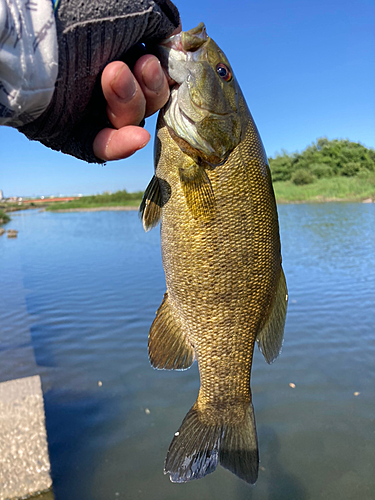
[281,484]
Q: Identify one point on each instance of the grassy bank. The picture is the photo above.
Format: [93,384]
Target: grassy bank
[118,199]
[327,189]
[4,218]
[337,188]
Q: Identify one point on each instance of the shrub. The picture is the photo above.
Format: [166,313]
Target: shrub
[4,218]
[281,167]
[302,177]
[324,158]
[321,170]
[351,169]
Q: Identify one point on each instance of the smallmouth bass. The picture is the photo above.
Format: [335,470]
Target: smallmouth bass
[221,254]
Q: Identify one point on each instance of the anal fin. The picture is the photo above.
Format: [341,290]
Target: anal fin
[270,338]
[198,192]
[168,346]
[150,208]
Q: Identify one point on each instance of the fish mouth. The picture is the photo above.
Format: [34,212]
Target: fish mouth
[178,50]
[175,54]
[187,41]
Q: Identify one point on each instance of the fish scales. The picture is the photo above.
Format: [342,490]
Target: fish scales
[225,287]
[227,317]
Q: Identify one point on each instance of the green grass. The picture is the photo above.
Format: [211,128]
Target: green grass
[118,199]
[4,218]
[338,188]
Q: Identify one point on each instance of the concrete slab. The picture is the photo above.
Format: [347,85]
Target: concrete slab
[24,461]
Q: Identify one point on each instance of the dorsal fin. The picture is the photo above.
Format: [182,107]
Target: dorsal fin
[270,338]
[150,208]
[198,192]
[168,347]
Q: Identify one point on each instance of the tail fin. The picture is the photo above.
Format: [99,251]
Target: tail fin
[239,448]
[198,447]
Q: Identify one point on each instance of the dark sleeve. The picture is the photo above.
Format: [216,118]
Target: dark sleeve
[92,33]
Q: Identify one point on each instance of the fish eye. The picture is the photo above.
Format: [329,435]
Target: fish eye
[224,72]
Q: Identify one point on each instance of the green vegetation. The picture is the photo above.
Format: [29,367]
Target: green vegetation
[325,171]
[333,189]
[117,199]
[4,218]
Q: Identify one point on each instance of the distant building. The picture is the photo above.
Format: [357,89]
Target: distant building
[1,195]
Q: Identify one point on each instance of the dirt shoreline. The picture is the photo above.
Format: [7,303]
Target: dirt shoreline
[94,209]
[136,207]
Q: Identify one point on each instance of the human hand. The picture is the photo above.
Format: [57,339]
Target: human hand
[131,97]
[92,36]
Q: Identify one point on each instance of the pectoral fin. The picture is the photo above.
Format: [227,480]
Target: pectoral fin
[168,347]
[150,208]
[270,338]
[198,192]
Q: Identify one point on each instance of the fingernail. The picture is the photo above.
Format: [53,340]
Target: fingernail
[144,144]
[153,75]
[138,148]
[123,84]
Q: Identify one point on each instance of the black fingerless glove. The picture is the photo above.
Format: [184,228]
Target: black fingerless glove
[90,35]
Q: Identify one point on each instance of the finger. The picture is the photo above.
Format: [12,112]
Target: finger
[153,82]
[126,103]
[112,144]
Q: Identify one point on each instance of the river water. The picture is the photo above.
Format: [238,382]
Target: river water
[78,294]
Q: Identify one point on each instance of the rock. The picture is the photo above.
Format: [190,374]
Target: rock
[2,231]
[12,233]
[367,200]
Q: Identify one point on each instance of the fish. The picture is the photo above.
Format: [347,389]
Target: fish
[212,192]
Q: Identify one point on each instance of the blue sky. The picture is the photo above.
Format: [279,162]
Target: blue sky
[307,69]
